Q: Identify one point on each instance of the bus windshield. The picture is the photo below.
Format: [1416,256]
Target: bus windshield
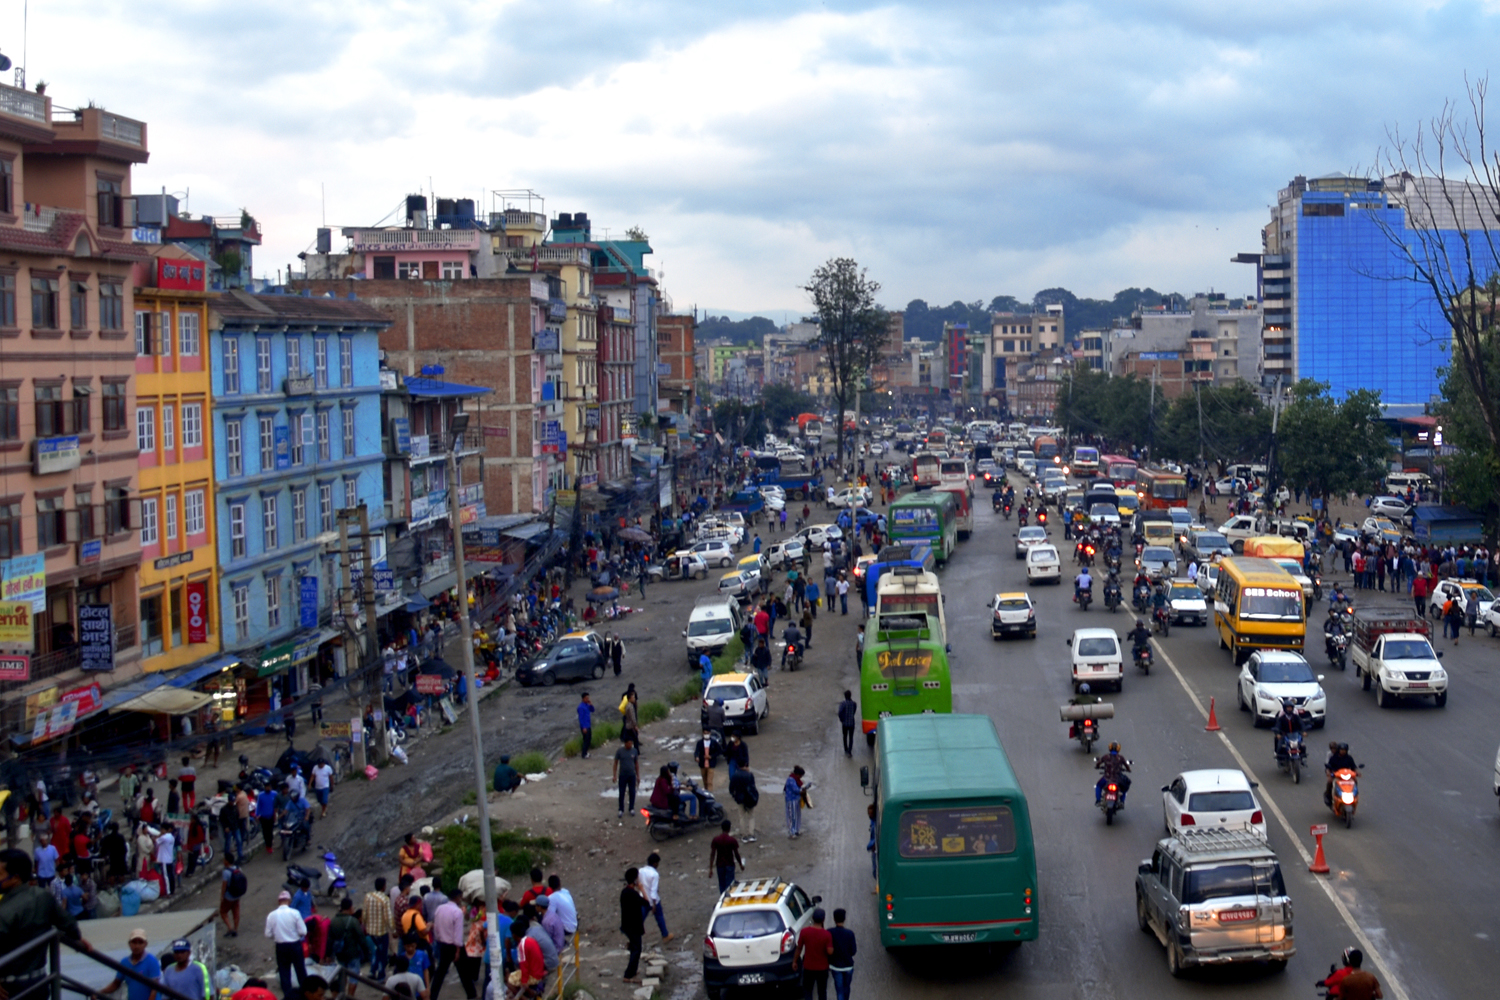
[902,602]
[946,833]
[1271,605]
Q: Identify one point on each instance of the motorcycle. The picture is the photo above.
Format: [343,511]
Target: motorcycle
[1083,597]
[1141,597]
[294,837]
[1084,718]
[1041,516]
[1112,800]
[794,655]
[663,824]
[1345,798]
[1143,657]
[997,504]
[1112,597]
[1021,518]
[1162,620]
[1337,645]
[1291,755]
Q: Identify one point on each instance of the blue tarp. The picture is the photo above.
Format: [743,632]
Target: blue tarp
[419,386]
[1433,524]
[207,668]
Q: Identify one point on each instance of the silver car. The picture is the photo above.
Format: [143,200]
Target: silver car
[1157,562]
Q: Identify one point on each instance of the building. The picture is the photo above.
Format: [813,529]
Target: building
[675,369]
[179,598]
[1340,305]
[1017,341]
[227,242]
[70,542]
[1205,343]
[296,439]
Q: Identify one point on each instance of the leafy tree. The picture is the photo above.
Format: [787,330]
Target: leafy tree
[1327,447]
[782,403]
[852,329]
[740,422]
[736,331]
[1214,423]
[1471,471]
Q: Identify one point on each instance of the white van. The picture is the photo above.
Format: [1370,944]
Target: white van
[714,622]
[1399,482]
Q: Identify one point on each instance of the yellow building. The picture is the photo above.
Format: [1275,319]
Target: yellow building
[179,613]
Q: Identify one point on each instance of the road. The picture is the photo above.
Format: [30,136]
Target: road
[1404,878]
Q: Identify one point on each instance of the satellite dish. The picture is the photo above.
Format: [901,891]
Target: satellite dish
[4,63]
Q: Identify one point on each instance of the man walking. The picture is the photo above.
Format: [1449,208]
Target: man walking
[632,922]
[650,879]
[743,791]
[378,921]
[285,927]
[625,777]
[848,715]
[184,975]
[703,755]
[723,855]
[841,962]
[792,791]
[586,723]
[843,588]
[232,888]
[265,812]
[814,948]
[322,781]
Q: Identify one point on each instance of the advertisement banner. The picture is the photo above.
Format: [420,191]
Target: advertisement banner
[189,275]
[16,629]
[308,602]
[24,578]
[282,439]
[430,684]
[197,606]
[15,667]
[86,699]
[96,637]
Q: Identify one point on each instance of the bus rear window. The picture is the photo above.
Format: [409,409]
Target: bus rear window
[947,833]
[914,517]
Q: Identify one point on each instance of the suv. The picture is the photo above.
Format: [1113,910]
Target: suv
[1013,613]
[752,935]
[1271,677]
[1215,897]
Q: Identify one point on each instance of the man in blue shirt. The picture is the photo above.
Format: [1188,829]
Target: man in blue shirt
[302,900]
[706,666]
[265,811]
[139,960]
[586,722]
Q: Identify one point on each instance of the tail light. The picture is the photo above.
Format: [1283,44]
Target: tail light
[788,942]
[1112,788]
[1187,820]
[646,813]
[1257,818]
[749,704]
[709,951]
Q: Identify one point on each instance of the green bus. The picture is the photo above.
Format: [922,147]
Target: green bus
[955,862]
[926,518]
[904,670]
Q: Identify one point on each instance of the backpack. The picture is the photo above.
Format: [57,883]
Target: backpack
[238,884]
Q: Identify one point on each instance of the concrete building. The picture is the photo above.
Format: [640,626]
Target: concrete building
[1017,341]
[1213,341]
[227,243]
[676,369]
[70,543]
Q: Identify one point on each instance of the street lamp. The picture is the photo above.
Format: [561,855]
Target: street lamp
[456,428]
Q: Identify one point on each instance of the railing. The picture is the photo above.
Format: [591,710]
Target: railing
[23,104]
[51,981]
[547,254]
[60,661]
[121,129]
[422,239]
[38,219]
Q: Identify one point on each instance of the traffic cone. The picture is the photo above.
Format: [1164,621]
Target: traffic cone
[1319,864]
[1213,720]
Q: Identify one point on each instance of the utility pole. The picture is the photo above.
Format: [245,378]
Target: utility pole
[1151,415]
[1270,491]
[1199,394]
[372,662]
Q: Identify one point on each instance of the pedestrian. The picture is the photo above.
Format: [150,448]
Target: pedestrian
[650,880]
[859,645]
[704,754]
[807,624]
[530,970]
[1419,594]
[871,847]
[841,962]
[630,725]
[723,855]
[617,652]
[706,670]
[1471,615]
[447,939]
[1452,619]
[625,777]
[285,927]
[378,920]
[505,778]
[289,721]
[736,754]
[744,793]
[562,904]
[793,790]
[347,941]
[232,888]
[186,976]
[585,723]
[814,948]
[165,854]
[141,961]
[322,782]
[187,777]
[633,910]
[302,899]
[848,715]
[713,714]
[813,596]
[27,912]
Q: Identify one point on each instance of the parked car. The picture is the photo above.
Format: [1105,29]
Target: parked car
[715,552]
[1270,677]
[1381,529]
[1013,613]
[814,535]
[1392,507]
[781,555]
[569,659]
[1217,797]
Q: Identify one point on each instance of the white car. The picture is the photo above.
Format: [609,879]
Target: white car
[744,699]
[1271,676]
[814,535]
[1219,798]
[1043,564]
[1013,613]
[715,552]
[752,934]
[1239,528]
[1392,507]
[1104,513]
[1097,658]
[851,496]
[1032,534]
[782,554]
[1464,591]
[1185,603]
[1382,529]
[775,502]
[1208,579]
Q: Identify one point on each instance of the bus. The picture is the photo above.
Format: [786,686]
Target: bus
[930,518]
[1257,605]
[955,862]
[963,498]
[1159,490]
[1045,447]
[926,470]
[892,556]
[954,472]
[911,592]
[1118,469]
[937,438]
[1085,462]
[904,671]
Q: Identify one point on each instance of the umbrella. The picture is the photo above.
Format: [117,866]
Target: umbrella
[437,665]
[635,535]
[601,594]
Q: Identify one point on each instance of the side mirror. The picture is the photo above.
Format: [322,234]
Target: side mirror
[1068,642]
[1165,788]
[1144,868]
[684,633]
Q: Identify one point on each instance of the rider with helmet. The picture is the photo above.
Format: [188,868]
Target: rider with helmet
[1083,583]
[1287,721]
[1114,767]
[1351,980]
[1140,636]
[1339,758]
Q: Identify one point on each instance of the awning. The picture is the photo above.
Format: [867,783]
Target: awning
[526,532]
[417,603]
[167,701]
[117,696]
[207,668]
[438,389]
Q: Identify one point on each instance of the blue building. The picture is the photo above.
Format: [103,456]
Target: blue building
[1340,303]
[297,437]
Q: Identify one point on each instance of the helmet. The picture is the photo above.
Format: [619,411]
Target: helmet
[1353,957]
[1141,622]
[1083,688]
[671,765]
[1114,748]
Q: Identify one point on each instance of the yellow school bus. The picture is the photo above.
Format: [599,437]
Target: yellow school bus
[1257,605]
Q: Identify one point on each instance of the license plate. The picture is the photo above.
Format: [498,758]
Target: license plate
[751,978]
[1417,684]
[1236,916]
[958,938]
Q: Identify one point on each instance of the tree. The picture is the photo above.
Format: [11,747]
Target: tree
[852,329]
[1327,447]
[782,403]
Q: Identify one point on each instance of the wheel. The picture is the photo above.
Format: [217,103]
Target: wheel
[548,679]
[286,849]
[206,853]
[1109,817]
[1032,634]
[1365,678]
[598,671]
[1439,700]
[754,727]
[724,563]
[1277,964]
[1142,915]
[1296,766]
[1120,686]
[1174,960]
[1494,631]
[1382,700]
[995,636]
[714,993]
[1348,819]
[660,833]
[1239,694]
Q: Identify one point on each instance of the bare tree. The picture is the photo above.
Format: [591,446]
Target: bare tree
[852,330]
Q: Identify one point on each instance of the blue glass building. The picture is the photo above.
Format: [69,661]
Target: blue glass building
[296,426]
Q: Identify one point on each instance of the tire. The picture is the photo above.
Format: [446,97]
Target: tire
[206,853]
[1296,768]
[1365,678]
[1348,819]
[724,563]
[1109,817]
[1174,960]
[1239,694]
[753,728]
[598,671]
[1142,916]
[286,849]
[1382,700]
[548,679]
[660,833]
[1440,700]
[1277,965]
[1120,686]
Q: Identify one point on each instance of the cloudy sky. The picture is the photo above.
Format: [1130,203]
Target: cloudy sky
[957,148]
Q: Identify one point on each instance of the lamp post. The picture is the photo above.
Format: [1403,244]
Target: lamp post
[456,428]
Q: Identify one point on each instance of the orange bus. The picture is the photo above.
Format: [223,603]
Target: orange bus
[1159,490]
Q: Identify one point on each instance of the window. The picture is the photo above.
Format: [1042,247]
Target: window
[385,268]
[114,406]
[192,509]
[168,428]
[149,532]
[268,521]
[143,345]
[240,599]
[452,270]
[267,444]
[231,364]
[299,515]
[151,626]
[325,506]
[116,510]
[237,531]
[10,528]
[10,413]
[351,491]
[145,428]
[234,455]
[7,300]
[111,204]
[348,417]
[188,341]
[262,364]
[78,305]
[346,361]
[323,448]
[320,362]
[112,308]
[44,303]
[409,269]
[170,517]
[298,427]
[294,356]
[7,186]
[83,503]
[192,425]
[273,601]
[51,528]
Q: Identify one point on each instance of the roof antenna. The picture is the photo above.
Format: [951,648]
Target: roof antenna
[25,22]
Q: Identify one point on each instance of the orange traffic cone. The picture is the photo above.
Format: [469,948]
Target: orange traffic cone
[1319,864]
[1213,720]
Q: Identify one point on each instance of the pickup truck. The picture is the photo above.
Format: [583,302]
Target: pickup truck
[1239,528]
[1392,649]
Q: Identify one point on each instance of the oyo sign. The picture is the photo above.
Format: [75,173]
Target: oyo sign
[197,602]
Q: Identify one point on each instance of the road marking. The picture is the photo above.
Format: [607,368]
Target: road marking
[1392,985]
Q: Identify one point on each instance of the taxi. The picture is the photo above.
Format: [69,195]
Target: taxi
[752,934]
[1013,613]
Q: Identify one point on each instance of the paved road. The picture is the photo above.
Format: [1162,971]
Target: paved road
[1412,876]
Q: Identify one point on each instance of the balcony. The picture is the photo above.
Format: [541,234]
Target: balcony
[394,240]
[545,254]
[60,661]
[24,104]
[98,125]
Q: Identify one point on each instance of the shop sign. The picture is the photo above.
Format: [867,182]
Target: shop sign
[334,731]
[282,438]
[421,446]
[86,698]
[276,659]
[16,627]
[430,684]
[24,578]
[469,513]
[175,559]
[56,722]
[15,667]
[401,431]
[385,579]
[58,454]
[197,602]
[299,385]
[96,637]
[90,551]
[308,602]
[306,649]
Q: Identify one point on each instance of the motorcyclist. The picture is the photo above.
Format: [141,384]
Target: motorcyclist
[1140,636]
[1083,583]
[1022,514]
[1112,587]
[1159,599]
[1338,759]
[1114,767]
[1287,721]
[1333,626]
[1353,959]
[1338,597]
[298,813]
[793,637]
[1084,696]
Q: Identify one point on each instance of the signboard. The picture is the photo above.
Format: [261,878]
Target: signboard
[96,637]
[275,658]
[15,667]
[910,659]
[57,454]
[298,385]
[429,684]
[175,559]
[85,699]
[334,730]
[499,432]
[419,446]
[1319,829]
[589,479]
[145,234]
[1158,355]
[551,437]
[283,441]
[401,431]
[59,721]
[90,551]
[591,415]
[308,602]
[16,625]
[385,579]
[190,275]
[547,340]
[387,380]
[197,604]
[469,513]
[663,369]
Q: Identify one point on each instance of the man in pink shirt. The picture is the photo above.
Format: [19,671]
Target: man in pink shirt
[448,935]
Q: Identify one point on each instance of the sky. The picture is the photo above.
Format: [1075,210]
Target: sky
[957,149]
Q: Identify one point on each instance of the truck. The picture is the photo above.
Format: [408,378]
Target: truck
[810,428]
[747,502]
[1392,651]
[797,479]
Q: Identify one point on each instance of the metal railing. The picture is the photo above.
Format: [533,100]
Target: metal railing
[23,104]
[121,129]
[52,982]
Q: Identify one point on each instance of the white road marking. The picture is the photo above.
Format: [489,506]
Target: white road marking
[1392,985]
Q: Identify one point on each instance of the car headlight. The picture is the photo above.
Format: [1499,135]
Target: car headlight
[539,667]
[1439,675]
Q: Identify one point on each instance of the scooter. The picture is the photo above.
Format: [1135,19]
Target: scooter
[793,655]
[996,503]
[1338,649]
[664,825]
[1291,755]
[1345,797]
[1143,658]
[1141,597]
[295,873]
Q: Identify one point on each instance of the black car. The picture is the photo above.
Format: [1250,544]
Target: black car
[571,660]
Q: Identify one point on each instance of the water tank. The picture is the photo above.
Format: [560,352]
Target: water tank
[416,211]
[464,209]
[445,208]
[325,240]
[581,221]
[564,221]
